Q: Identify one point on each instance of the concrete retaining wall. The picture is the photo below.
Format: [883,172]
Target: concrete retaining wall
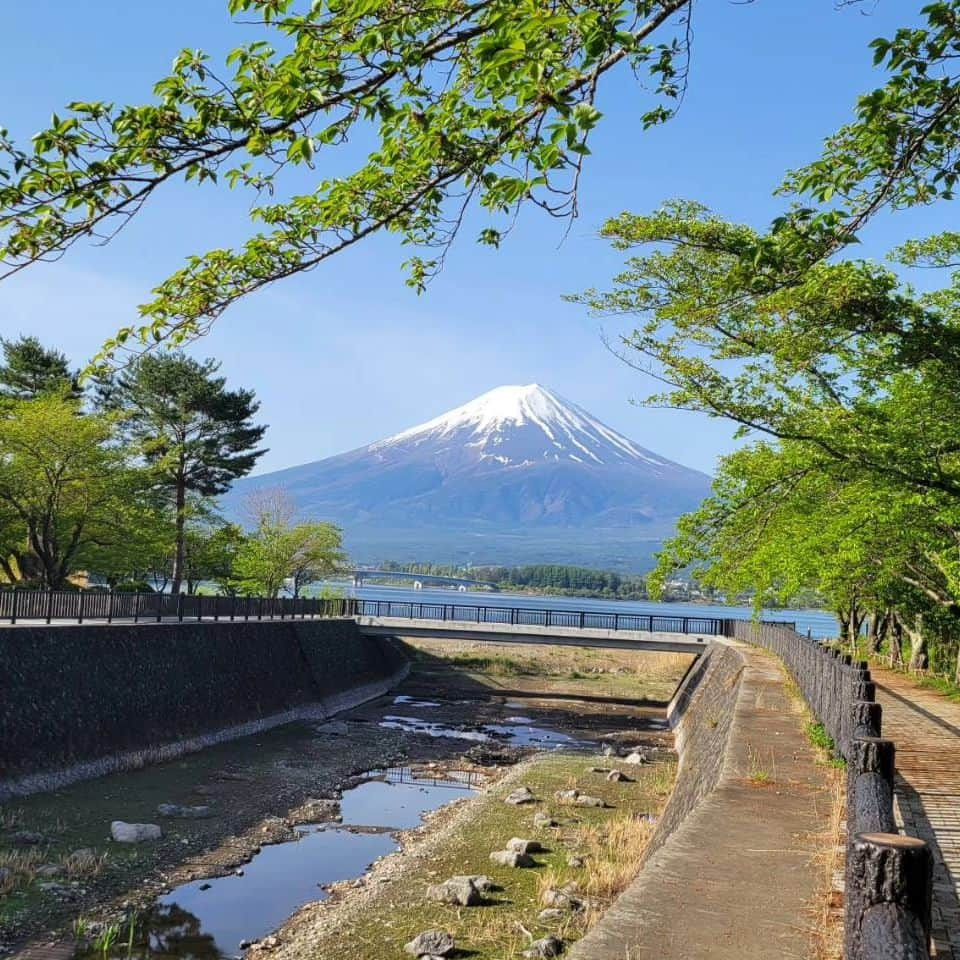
[700,714]
[79,702]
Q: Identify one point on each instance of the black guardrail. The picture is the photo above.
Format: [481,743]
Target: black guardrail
[81,606]
[535,617]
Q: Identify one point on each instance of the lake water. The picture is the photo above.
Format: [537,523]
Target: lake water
[819,623]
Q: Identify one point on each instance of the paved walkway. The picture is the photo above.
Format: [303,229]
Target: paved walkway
[736,880]
[926,729]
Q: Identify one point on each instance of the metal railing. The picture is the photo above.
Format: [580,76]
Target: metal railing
[83,606]
[536,617]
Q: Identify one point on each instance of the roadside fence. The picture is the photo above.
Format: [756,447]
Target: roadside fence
[889,882]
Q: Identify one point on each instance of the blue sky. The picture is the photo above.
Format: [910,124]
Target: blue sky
[348,354]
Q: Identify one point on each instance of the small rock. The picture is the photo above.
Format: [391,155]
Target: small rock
[45,872]
[609,750]
[481,881]
[134,832]
[599,770]
[270,943]
[524,846]
[551,915]
[431,943]
[245,944]
[578,799]
[547,947]
[543,821]
[204,886]
[179,811]
[574,861]
[618,776]
[27,838]
[517,797]
[510,858]
[336,728]
[238,873]
[459,890]
[564,899]
[637,757]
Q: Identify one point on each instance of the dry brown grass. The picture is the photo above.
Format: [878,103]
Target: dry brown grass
[11,819]
[830,847]
[612,853]
[22,866]
[83,863]
[551,660]
[660,664]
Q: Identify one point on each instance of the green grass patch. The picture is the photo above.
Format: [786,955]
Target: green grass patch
[495,665]
[610,840]
[818,736]
[941,685]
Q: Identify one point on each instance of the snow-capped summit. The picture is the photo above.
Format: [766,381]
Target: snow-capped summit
[516,425]
[515,467]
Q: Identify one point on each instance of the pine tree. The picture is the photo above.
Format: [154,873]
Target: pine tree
[194,433]
[30,370]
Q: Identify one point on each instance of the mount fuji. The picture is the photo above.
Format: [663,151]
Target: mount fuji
[517,475]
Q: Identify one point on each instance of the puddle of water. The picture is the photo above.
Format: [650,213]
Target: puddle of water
[191,923]
[530,736]
[414,702]
[430,729]
[516,731]
[397,805]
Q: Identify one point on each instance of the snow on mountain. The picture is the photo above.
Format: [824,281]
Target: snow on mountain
[515,464]
[550,428]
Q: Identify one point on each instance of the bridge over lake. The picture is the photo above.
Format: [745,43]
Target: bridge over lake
[506,624]
[419,580]
[465,621]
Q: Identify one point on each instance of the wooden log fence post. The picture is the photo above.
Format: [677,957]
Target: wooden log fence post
[889,896]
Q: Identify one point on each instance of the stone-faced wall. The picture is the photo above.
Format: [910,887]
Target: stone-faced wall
[700,713]
[75,694]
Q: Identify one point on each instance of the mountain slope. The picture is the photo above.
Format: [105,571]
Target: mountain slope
[515,461]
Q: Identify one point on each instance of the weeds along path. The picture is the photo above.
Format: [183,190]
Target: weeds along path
[925,726]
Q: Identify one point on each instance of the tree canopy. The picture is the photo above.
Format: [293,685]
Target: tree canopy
[195,434]
[30,370]
[488,103]
[66,491]
[841,373]
[284,552]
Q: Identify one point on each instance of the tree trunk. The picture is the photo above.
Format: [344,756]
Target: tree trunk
[896,641]
[180,548]
[852,623]
[6,565]
[918,645]
[873,637]
[956,676]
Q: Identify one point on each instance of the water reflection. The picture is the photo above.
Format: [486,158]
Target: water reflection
[208,919]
